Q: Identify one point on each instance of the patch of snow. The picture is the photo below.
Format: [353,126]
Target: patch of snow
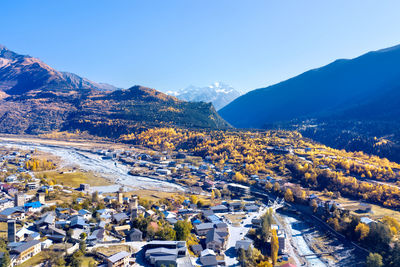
[218,93]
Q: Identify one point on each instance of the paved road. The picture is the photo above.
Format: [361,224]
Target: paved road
[237,233]
[290,247]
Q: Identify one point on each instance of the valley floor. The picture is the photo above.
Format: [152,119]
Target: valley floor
[302,239]
[77,154]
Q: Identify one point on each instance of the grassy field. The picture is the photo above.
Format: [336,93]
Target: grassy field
[3,229]
[35,260]
[87,261]
[111,250]
[194,160]
[75,178]
[376,213]
[158,195]
[235,218]
[153,195]
[61,197]
[42,256]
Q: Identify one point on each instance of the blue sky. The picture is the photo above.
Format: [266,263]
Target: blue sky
[169,45]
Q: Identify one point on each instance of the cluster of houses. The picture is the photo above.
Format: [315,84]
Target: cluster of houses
[166,253]
[177,167]
[322,205]
[62,225]
[24,243]
[211,229]
[113,224]
[174,168]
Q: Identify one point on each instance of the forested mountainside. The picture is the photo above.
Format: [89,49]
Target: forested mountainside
[102,113]
[352,104]
[36,98]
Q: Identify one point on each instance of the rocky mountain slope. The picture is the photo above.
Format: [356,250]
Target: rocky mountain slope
[20,74]
[35,98]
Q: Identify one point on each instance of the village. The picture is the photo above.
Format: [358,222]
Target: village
[213,222]
[35,223]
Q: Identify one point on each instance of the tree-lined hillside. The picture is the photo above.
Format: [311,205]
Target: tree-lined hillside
[35,98]
[325,91]
[352,104]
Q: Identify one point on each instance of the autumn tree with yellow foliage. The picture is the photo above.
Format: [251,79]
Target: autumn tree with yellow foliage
[250,152]
[393,224]
[264,264]
[362,230]
[274,246]
[39,165]
[289,195]
[238,177]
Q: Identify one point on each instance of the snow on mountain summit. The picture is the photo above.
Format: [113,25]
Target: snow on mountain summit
[218,93]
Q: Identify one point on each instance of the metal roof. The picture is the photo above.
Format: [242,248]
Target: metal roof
[26,246]
[118,256]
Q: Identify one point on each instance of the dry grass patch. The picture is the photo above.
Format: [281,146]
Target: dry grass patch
[376,213]
[111,250]
[235,218]
[35,260]
[154,196]
[88,261]
[3,229]
[74,178]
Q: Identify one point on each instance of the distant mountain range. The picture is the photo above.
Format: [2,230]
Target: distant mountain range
[35,98]
[219,94]
[350,103]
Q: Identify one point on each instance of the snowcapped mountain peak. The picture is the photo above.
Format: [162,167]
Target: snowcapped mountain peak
[215,85]
[218,93]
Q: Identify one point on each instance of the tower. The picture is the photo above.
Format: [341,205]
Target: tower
[133,206]
[19,199]
[11,231]
[41,198]
[120,197]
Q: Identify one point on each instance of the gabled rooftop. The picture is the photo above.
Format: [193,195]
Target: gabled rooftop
[26,245]
[118,256]
[213,236]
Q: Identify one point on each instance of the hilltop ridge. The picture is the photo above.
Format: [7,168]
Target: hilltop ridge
[349,103]
[35,98]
